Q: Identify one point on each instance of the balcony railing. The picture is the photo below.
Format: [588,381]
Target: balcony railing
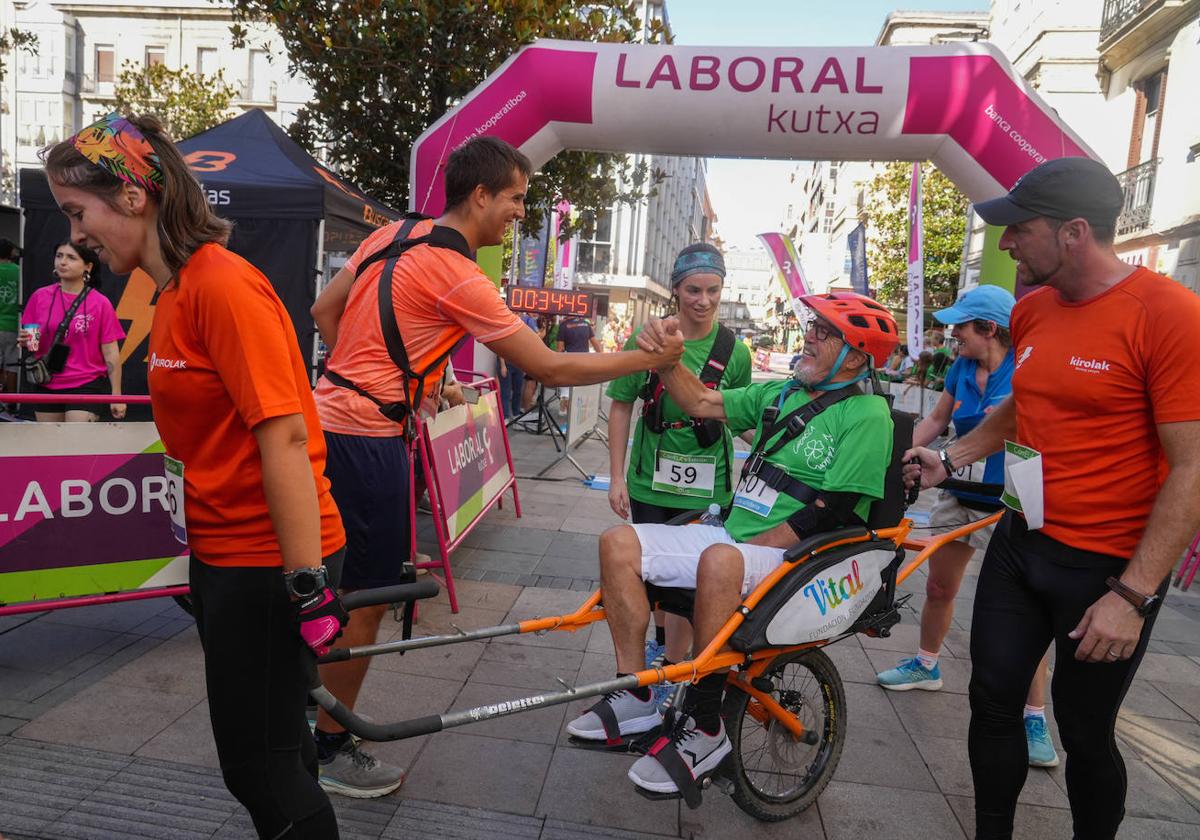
[90,84]
[1138,185]
[258,92]
[1117,13]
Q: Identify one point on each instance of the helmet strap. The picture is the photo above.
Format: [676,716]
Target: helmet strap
[827,384]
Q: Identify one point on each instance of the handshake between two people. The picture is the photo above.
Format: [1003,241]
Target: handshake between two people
[663,337]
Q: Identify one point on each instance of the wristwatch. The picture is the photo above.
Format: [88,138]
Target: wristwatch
[1143,604]
[301,583]
[947,464]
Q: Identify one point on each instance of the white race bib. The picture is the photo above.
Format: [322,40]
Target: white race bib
[970,472]
[1023,483]
[755,495]
[174,473]
[685,475]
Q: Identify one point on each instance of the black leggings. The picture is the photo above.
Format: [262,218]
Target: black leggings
[644,513]
[1033,589]
[258,671]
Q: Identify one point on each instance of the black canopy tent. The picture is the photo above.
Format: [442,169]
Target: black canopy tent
[286,208]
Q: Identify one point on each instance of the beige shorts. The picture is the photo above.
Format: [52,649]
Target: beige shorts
[949,513]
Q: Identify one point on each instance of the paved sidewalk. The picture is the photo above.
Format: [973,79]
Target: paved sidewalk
[104,730]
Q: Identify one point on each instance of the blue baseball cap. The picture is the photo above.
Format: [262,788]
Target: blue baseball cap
[983,303]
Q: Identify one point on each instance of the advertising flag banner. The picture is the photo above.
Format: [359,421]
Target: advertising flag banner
[916,265]
[787,264]
[531,267]
[856,242]
[565,252]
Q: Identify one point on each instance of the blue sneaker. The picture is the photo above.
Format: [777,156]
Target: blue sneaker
[654,652]
[1041,748]
[910,674]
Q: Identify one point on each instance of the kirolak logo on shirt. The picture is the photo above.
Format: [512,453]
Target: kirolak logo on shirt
[1025,351]
[157,361]
[1090,365]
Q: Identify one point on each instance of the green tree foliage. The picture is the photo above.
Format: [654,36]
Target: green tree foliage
[384,70]
[945,218]
[186,102]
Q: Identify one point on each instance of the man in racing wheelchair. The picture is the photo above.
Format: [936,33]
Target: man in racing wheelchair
[821,450]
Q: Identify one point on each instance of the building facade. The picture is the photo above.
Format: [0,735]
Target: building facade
[83,45]
[1121,73]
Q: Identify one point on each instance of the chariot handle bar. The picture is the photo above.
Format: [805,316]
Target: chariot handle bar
[390,594]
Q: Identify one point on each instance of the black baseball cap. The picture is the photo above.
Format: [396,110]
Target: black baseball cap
[1063,188]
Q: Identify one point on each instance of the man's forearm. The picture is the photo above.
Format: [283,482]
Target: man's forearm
[1174,520]
[988,437]
[619,414]
[588,368]
[689,393]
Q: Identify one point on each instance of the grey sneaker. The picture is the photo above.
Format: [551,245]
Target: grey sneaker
[358,774]
[700,751]
[634,717]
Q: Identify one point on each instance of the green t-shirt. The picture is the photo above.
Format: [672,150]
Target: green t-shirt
[683,465]
[847,447]
[10,313]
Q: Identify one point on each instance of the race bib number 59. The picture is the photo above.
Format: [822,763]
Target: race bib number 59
[685,475]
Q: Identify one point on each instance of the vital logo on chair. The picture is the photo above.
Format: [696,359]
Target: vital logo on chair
[829,600]
[830,593]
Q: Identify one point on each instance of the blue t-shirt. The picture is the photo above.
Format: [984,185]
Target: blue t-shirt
[970,407]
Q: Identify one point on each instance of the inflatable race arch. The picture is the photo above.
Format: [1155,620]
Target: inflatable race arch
[961,106]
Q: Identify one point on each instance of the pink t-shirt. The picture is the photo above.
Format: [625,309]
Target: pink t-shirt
[95,323]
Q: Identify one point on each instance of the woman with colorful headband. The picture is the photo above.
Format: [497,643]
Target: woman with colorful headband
[677,464]
[244,457]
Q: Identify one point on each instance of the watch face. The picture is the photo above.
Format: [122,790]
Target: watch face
[304,583]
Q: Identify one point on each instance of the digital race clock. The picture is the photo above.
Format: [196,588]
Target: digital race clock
[550,301]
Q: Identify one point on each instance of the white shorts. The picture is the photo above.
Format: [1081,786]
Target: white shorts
[949,513]
[671,554]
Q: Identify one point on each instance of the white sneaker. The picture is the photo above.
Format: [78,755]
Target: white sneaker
[701,753]
[634,717]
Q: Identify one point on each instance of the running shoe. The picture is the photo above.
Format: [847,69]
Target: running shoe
[701,753]
[654,652]
[910,674]
[634,717]
[1041,748]
[352,772]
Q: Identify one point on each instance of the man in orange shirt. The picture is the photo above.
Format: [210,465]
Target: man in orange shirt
[439,296]
[1104,470]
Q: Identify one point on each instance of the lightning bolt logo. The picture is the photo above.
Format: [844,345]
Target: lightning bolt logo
[135,307]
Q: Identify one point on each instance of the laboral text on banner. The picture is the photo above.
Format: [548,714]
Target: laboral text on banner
[916,265]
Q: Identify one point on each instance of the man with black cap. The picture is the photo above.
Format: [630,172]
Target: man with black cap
[1102,473]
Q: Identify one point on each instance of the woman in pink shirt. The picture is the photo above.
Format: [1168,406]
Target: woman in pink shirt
[93,361]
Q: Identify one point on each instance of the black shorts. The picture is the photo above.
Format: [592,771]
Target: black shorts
[644,513]
[99,385]
[368,478]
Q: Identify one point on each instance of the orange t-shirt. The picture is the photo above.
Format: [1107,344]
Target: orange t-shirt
[1092,380]
[439,296]
[224,358]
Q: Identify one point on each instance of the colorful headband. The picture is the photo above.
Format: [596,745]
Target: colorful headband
[117,146]
[700,258]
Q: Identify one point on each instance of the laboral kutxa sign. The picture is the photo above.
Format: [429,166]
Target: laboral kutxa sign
[469,459]
[83,511]
[959,105]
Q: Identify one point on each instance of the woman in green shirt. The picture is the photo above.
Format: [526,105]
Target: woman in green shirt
[677,464]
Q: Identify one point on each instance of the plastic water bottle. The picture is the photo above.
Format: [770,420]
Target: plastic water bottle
[713,516]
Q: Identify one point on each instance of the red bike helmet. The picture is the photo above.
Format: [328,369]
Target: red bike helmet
[866,325]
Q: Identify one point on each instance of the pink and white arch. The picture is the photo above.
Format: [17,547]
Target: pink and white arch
[960,106]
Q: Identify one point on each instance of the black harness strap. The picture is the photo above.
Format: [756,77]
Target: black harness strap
[707,432]
[439,237]
[667,754]
[608,718]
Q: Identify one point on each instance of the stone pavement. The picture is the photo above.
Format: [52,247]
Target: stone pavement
[104,730]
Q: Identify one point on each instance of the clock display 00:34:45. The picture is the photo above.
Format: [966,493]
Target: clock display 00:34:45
[549,301]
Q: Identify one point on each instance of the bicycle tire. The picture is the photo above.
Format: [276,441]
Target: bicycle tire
[823,712]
